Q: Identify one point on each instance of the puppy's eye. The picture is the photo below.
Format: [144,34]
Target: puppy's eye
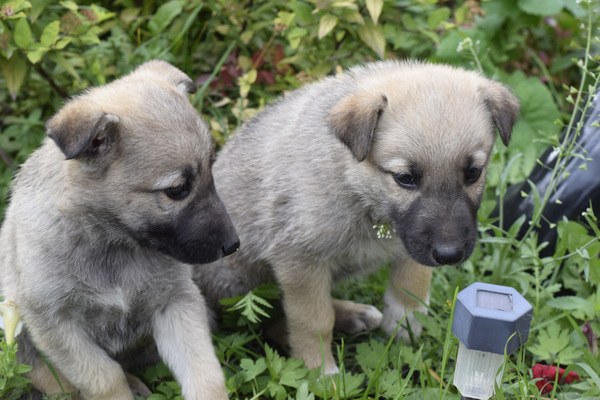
[472,174]
[178,192]
[407,181]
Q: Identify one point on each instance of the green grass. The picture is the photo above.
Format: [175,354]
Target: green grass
[544,50]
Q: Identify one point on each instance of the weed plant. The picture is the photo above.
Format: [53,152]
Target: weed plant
[242,55]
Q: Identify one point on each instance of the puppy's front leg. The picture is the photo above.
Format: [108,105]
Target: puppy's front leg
[182,335]
[82,362]
[416,279]
[309,312]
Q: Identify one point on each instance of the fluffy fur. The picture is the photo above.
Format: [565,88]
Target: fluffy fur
[406,144]
[104,218]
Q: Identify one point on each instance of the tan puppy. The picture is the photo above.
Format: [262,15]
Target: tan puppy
[403,144]
[104,218]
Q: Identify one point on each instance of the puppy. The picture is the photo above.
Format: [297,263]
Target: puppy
[311,179]
[104,221]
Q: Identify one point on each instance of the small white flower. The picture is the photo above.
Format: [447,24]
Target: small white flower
[384,231]
[10,321]
[465,45]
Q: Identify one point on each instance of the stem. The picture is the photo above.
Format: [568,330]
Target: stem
[245,23]
[5,158]
[537,286]
[183,31]
[548,76]
[47,77]
[476,59]
[503,187]
[200,93]
[594,240]
[263,51]
[568,142]
[447,342]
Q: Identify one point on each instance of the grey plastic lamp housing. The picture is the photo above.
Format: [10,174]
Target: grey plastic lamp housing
[486,316]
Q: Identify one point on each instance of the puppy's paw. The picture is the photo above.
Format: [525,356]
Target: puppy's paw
[394,312]
[137,387]
[332,370]
[352,318]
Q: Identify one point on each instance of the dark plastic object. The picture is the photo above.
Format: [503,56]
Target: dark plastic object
[489,317]
[575,192]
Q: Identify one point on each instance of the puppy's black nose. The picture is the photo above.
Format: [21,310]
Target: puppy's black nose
[447,255]
[231,248]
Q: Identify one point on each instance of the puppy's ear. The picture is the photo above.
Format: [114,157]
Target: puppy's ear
[354,119]
[504,108]
[79,130]
[165,71]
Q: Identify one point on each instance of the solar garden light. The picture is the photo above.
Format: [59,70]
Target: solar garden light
[487,320]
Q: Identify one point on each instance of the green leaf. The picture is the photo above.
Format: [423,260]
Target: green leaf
[252,369]
[293,373]
[36,9]
[326,25]
[294,36]
[574,6]
[285,18]
[101,13]
[593,374]
[429,324]
[388,383]
[14,70]
[246,36]
[60,60]
[166,389]
[50,34]
[277,391]
[373,37]
[268,291]
[62,43]
[542,8]
[157,396]
[417,358]
[353,16]
[368,355]
[536,121]
[35,55]
[572,236]
[22,369]
[251,307]
[302,393]
[90,37]
[71,5]
[327,388]
[580,308]
[164,15]
[553,343]
[20,6]
[302,10]
[22,35]
[535,193]
[245,82]
[374,7]
[274,361]
[516,226]
[345,4]
[435,18]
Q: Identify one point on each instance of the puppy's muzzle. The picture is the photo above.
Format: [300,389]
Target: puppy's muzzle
[201,233]
[438,231]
